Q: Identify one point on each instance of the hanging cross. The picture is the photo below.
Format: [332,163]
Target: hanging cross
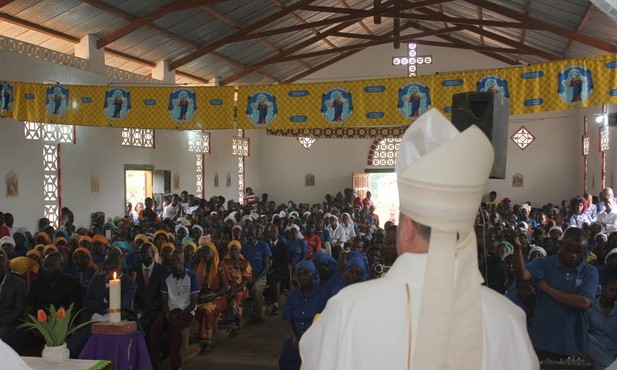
[412,59]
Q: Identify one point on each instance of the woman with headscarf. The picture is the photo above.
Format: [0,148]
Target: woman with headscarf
[25,268]
[87,267]
[356,268]
[7,244]
[240,273]
[42,238]
[35,255]
[166,250]
[214,280]
[329,277]
[22,244]
[301,306]
[189,248]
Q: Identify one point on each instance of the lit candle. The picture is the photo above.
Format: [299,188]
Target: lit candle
[114,300]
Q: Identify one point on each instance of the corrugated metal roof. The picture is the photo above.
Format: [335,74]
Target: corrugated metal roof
[184,37]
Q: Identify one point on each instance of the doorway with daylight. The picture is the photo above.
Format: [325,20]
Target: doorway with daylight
[384,192]
[137,184]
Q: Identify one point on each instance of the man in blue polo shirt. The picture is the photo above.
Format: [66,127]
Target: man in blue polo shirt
[566,287]
[258,254]
[179,291]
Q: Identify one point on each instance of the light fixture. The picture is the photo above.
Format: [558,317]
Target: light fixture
[600,118]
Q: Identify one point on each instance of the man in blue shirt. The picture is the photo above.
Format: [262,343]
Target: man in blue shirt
[257,253]
[566,287]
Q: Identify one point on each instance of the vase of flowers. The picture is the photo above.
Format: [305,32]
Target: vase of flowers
[55,327]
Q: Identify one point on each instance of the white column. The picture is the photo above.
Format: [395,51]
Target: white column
[87,49]
[161,72]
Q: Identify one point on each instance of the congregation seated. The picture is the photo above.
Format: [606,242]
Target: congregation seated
[246,238]
[12,299]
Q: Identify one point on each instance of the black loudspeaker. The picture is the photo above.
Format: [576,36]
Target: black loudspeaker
[490,113]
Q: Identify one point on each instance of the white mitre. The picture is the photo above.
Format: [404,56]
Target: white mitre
[442,174]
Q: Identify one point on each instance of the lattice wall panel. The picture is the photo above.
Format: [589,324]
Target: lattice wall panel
[199,173]
[51,213]
[143,138]
[50,158]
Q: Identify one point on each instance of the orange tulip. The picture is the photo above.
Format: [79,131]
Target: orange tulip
[41,316]
[60,314]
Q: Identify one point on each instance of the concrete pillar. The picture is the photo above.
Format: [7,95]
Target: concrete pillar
[161,72]
[87,49]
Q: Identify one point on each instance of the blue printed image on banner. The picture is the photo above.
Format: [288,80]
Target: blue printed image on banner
[57,100]
[117,104]
[496,85]
[413,100]
[182,105]
[336,105]
[6,97]
[574,84]
[261,108]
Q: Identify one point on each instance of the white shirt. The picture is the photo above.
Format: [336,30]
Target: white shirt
[337,235]
[350,232]
[365,326]
[608,220]
[170,212]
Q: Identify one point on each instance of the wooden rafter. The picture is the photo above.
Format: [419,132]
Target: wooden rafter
[383,9]
[504,40]
[561,31]
[37,27]
[579,28]
[151,17]
[5,2]
[246,30]
[524,31]
[303,21]
[456,43]
[325,64]
[361,23]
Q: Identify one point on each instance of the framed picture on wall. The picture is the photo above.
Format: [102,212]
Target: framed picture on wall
[12,185]
[228,180]
[309,180]
[517,180]
[216,179]
[94,182]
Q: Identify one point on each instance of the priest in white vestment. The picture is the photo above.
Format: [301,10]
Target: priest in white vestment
[430,311]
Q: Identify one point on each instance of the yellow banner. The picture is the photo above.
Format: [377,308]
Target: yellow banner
[382,102]
[187,108]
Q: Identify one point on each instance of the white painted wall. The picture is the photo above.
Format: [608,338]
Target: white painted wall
[552,165]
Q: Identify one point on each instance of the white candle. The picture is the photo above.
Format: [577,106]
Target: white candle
[114,300]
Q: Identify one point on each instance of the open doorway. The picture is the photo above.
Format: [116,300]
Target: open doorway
[137,183]
[384,193]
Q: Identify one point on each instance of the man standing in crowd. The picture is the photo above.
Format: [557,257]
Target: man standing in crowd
[426,313]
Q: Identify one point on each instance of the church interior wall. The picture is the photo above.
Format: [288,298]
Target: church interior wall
[551,166]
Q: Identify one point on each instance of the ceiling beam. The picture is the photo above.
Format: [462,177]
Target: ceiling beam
[456,43]
[580,27]
[147,19]
[37,27]
[5,2]
[248,29]
[524,30]
[382,9]
[303,21]
[558,30]
[325,64]
[504,40]
[361,23]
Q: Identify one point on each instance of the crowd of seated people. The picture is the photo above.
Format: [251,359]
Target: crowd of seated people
[236,261]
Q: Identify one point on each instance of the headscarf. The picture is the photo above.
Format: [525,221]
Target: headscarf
[7,240]
[198,227]
[21,265]
[178,227]
[214,267]
[310,267]
[355,258]
[48,248]
[159,232]
[190,244]
[86,238]
[204,239]
[613,251]
[507,246]
[535,248]
[60,239]
[438,188]
[141,237]
[236,243]
[123,245]
[22,232]
[40,248]
[101,239]
[85,251]
[63,234]
[168,245]
[44,235]
[36,252]
[326,259]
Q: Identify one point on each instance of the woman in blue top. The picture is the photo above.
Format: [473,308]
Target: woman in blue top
[301,306]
